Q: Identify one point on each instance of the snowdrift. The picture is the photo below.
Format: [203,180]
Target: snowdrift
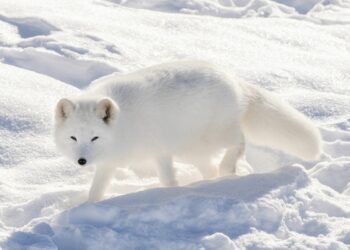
[283,209]
[318,11]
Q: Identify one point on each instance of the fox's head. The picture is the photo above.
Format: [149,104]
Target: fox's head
[83,128]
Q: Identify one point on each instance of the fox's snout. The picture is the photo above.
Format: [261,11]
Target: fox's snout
[82,161]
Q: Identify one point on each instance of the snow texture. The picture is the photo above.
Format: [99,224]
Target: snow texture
[310,10]
[52,49]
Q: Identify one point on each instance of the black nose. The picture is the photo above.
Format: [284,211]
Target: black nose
[82,161]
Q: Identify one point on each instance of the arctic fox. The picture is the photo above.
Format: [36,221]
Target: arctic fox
[183,110]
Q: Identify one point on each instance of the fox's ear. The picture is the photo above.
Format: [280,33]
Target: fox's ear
[107,109]
[63,109]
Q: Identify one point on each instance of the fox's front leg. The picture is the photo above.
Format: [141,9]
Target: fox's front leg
[166,172]
[102,178]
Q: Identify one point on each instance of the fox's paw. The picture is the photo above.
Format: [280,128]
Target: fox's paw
[94,197]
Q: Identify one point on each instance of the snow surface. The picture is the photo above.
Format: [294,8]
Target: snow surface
[51,49]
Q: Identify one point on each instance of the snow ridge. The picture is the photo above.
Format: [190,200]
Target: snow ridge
[310,10]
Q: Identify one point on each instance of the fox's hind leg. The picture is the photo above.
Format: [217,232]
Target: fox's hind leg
[166,171]
[232,155]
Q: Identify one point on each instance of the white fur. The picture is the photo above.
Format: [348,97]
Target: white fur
[187,110]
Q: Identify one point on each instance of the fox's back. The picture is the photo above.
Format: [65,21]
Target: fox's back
[167,83]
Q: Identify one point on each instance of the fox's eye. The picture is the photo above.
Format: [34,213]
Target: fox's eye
[73,138]
[95,138]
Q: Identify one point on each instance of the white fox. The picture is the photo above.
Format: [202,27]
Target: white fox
[183,110]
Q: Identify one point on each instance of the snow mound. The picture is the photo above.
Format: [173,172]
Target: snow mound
[327,172]
[299,9]
[220,214]
[212,7]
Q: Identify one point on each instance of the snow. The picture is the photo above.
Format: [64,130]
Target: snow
[59,67]
[285,209]
[52,49]
[318,11]
[29,27]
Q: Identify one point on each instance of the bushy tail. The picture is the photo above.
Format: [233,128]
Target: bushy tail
[271,122]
